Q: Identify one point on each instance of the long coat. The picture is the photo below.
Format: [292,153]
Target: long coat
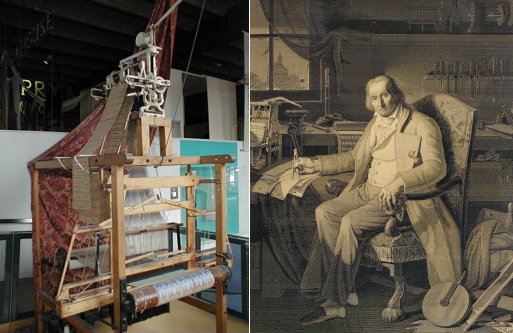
[421,164]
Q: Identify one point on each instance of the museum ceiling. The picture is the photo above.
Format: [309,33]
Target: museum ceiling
[91,36]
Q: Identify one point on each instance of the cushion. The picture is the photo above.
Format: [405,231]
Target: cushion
[404,248]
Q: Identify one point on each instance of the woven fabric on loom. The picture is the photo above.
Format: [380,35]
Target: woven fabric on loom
[57,217]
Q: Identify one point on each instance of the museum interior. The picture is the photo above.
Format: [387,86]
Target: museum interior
[124,191]
[310,63]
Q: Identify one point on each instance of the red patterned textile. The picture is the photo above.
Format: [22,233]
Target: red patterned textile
[57,218]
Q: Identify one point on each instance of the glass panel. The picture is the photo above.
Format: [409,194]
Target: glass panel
[258,21]
[205,193]
[25,295]
[259,59]
[290,71]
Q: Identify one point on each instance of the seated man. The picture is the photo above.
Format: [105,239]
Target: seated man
[400,150]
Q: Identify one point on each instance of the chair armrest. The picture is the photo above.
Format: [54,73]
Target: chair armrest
[392,229]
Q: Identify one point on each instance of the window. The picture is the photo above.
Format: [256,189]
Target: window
[275,67]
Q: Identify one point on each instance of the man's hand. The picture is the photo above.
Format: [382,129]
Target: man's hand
[307,165]
[388,195]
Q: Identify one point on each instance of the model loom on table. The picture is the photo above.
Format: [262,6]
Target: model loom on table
[108,244]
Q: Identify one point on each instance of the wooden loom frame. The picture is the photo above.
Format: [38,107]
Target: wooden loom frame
[116,162]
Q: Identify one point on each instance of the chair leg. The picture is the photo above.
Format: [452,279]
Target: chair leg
[393,312]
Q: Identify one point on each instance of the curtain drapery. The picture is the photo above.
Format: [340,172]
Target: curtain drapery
[306,27]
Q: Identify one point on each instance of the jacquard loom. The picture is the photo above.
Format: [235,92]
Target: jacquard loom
[113,250]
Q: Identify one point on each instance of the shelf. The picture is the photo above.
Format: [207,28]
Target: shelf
[495,41]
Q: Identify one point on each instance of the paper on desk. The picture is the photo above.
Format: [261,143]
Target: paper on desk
[292,180]
[282,180]
[299,189]
[270,179]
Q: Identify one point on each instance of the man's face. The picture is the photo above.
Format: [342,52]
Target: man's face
[380,98]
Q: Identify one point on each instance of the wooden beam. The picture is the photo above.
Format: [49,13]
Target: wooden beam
[181,160]
[151,208]
[179,259]
[65,163]
[166,140]
[66,262]
[143,138]
[37,251]
[67,309]
[200,304]
[111,159]
[117,250]
[221,239]
[17,325]
[132,270]
[160,182]
[190,206]
[81,325]
[190,222]
[104,160]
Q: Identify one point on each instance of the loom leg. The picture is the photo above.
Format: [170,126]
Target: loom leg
[221,240]
[393,312]
[39,314]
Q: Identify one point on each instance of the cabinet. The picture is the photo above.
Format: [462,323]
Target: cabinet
[16,281]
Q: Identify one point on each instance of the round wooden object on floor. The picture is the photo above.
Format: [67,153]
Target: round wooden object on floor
[446,314]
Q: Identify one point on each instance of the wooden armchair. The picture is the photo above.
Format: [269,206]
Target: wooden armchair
[399,243]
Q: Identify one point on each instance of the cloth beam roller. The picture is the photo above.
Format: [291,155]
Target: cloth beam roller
[172,289]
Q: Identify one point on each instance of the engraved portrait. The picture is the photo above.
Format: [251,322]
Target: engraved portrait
[381,165]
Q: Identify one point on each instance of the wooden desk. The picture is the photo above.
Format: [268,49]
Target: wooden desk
[491,180]
[312,141]
[488,139]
